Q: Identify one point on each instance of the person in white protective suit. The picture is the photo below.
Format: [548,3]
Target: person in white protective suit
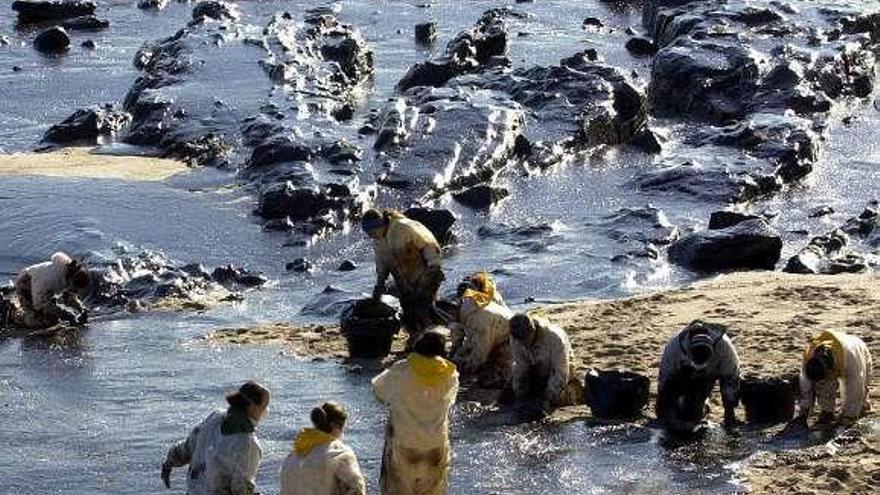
[481,336]
[222,452]
[833,358]
[320,463]
[419,392]
[37,287]
[695,359]
[408,251]
[542,372]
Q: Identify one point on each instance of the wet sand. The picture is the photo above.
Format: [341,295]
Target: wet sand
[770,317]
[82,163]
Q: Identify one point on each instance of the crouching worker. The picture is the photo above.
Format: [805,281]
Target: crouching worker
[320,463]
[39,287]
[832,358]
[408,251]
[481,336]
[418,391]
[222,452]
[542,364]
[694,360]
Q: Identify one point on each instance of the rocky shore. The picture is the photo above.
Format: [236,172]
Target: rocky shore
[770,317]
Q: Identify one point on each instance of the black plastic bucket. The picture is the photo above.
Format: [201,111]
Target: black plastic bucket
[768,400]
[369,327]
[616,394]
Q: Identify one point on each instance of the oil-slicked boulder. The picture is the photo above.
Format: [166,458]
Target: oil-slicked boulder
[439,222]
[87,124]
[752,244]
[482,197]
[42,11]
[827,255]
[52,41]
[153,4]
[214,9]
[85,23]
[469,52]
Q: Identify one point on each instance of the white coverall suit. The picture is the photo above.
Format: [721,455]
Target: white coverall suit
[218,464]
[37,285]
[321,468]
[419,392]
[483,330]
[853,367]
[543,370]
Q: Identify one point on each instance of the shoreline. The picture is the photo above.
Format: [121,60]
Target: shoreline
[82,163]
[770,316]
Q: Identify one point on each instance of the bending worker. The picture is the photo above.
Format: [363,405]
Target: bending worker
[37,287]
[831,358]
[222,452]
[320,463]
[694,359]
[418,391]
[541,363]
[481,336]
[407,250]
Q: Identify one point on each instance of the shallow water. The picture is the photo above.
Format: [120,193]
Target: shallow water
[96,416]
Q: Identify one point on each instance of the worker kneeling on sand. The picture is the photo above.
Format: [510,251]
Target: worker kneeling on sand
[832,358]
[481,336]
[39,287]
[418,391]
[542,372]
[320,463]
[222,452]
[408,251]
[694,359]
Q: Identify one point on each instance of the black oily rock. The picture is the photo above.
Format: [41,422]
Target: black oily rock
[439,222]
[280,149]
[827,255]
[279,225]
[347,266]
[616,394]
[767,400]
[42,11]
[52,40]
[89,45]
[723,219]
[426,33]
[232,276]
[299,203]
[593,22]
[86,23]
[481,197]
[86,124]
[647,141]
[751,244]
[153,4]
[641,46]
[299,265]
[216,10]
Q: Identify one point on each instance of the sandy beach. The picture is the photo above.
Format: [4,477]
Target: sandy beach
[83,163]
[770,317]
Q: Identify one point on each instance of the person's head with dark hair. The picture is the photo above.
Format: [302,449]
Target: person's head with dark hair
[251,398]
[330,418]
[374,223]
[522,328]
[820,364]
[431,344]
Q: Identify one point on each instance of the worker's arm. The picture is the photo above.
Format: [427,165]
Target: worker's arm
[349,480]
[382,387]
[808,397]
[383,269]
[181,453]
[520,378]
[729,378]
[855,374]
[560,362]
[244,470]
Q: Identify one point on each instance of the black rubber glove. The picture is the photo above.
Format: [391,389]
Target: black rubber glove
[166,474]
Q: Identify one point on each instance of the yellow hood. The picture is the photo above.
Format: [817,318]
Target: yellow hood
[308,439]
[482,299]
[430,371]
[827,339]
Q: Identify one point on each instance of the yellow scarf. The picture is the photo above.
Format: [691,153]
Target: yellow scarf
[430,371]
[481,298]
[827,339]
[308,439]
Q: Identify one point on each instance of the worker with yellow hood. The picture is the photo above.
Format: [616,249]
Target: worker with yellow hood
[481,336]
[408,251]
[419,392]
[832,358]
[320,463]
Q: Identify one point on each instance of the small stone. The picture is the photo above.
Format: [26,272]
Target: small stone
[299,265]
[821,211]
[347,266]
[89,45]
[16,68]
[426,33]
[53,40]
[593,22]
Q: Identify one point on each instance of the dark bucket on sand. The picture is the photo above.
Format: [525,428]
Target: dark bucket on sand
[369,327]
[616,394]
[768,400]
